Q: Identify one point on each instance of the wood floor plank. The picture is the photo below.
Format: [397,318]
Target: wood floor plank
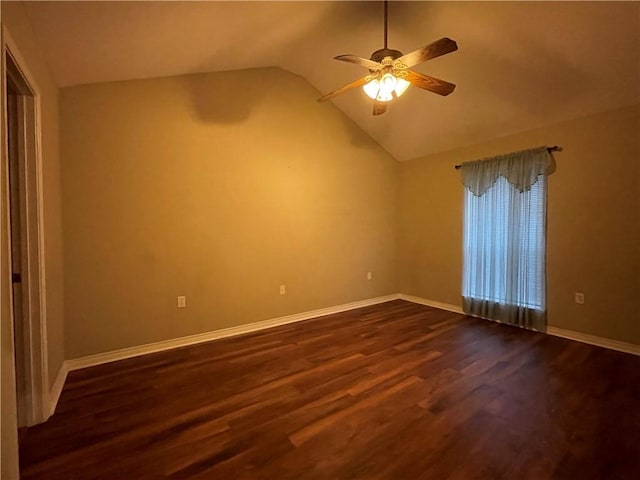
[390,391]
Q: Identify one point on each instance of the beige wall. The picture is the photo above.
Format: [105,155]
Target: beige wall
[220,187]
[223,186]
[593,222]
[16,23]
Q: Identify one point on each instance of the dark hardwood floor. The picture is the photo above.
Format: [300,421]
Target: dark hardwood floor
[392,391]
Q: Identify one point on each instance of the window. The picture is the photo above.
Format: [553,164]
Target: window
[504,243]
[504,239]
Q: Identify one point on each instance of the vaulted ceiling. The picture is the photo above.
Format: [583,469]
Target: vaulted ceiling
[520,65]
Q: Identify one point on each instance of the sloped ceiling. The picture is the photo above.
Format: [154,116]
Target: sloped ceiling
[521,65]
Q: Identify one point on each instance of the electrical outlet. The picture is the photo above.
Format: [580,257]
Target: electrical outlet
[369,275]
[579,298]
[182,301]
[283,290]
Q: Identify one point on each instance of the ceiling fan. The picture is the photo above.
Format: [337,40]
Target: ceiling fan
[389,74]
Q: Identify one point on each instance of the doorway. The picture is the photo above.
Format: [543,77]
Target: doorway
[16,226]
[21,146]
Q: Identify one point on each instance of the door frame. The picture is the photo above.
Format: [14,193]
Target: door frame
[36,401]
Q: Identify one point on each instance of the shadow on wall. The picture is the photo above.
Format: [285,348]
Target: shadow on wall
[225,97]
[231,97]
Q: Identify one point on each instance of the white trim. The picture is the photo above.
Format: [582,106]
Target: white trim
[431,303]
[56,389]
[115,355]
[9,465]
[555,331]
[595,340]
[122,354]
[35,288]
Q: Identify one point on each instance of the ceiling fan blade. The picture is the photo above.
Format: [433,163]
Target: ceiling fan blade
[379,108]
[357,83]
[439,47]
[370,64]
[432,84]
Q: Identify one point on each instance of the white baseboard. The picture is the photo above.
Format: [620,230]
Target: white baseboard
[56,390]
[595,340]
[98,359]
[555,331]
[431,303]
[121,354]
[124,353]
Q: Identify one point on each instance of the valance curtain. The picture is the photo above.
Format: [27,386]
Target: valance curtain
[521,169]
[504,237]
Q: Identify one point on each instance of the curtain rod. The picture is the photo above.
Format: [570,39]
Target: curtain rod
[555,148]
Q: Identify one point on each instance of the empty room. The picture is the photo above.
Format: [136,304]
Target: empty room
[320,240]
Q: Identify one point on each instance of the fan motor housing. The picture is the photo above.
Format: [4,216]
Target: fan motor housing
[379,55]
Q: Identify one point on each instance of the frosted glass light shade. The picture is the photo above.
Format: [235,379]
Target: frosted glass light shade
[381,90]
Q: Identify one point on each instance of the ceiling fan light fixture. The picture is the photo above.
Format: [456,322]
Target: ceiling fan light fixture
[382,90]
[389,74]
